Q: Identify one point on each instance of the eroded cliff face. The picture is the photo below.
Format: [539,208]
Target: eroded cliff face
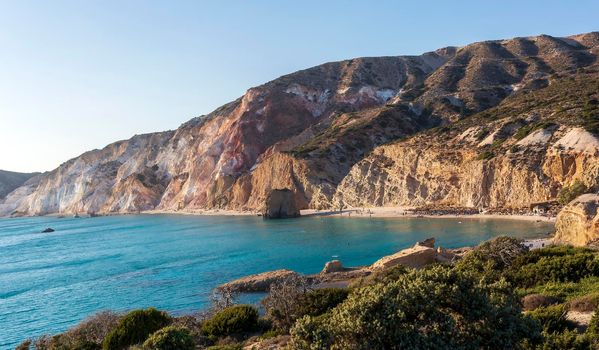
[578,222]
[330,134]
[454,174]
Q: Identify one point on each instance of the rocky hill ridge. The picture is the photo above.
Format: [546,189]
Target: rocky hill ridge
[315,130]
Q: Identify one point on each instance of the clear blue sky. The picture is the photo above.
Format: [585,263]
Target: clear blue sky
[77,75]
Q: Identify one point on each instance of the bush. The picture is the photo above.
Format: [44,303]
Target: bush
[566,290]
[317,302]
[170,338]
[534,301]
[93,329]
[24,345]
[556,264]
[593,329]
[425,309]
[566,340]
[135,327]
[381,276]
[587,303]
[226,347]
[552,318]
[233,320]
[281,303]
[569,193]
[486,155]
[491,258]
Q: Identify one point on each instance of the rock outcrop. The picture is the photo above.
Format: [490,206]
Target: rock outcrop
[281,204]
[415,257]
[332,266]
[493,124]
[260,282]
[578,222]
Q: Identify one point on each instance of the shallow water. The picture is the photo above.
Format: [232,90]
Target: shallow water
[50,281]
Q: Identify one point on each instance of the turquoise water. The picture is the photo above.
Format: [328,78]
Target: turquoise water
[50,281]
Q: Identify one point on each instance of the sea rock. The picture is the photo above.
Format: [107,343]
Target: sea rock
[281,204]
[416,257]
[259,282]
[48,230]
[332,266]
[578,222]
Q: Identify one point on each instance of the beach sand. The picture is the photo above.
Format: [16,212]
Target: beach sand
[375,212]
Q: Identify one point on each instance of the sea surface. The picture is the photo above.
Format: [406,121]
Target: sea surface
[51,281]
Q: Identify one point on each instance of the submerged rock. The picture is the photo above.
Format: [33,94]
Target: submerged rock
[578,222]
[281,204]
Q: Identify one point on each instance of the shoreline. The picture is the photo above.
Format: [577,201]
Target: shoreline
[376,212]
[372,212]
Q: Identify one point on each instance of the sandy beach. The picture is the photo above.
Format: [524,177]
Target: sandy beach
[375,212]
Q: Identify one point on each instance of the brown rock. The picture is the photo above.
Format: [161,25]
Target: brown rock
[445,256]
[281,204]
[578,222]
[259,282]
[332,266]
[429,242]
[416,257]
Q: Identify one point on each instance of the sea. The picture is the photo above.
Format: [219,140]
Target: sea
[51,281]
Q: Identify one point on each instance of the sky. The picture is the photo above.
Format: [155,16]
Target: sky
[78,75]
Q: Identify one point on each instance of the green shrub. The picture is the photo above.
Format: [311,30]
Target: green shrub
[318,301]
[381,276]
[486,155]
[135,327]
[170,338]
[569,193]
[233,320]
[491,258]
[552,318]
[593,329]
[554,264]
[566,340]
[565,290]
[435,308]
[225,347]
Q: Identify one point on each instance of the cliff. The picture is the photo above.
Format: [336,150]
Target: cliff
[493,124]
[10,180]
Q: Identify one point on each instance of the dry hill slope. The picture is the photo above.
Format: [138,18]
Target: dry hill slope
[514,123]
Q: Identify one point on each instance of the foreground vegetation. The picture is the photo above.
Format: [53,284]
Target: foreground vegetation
[498,296]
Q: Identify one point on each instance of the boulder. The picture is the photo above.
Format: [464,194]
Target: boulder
[281,204]
[578,222]
[445,256]
[429,242]
[332,266]
[260,282]
[416,257]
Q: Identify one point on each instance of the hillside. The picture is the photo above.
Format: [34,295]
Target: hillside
[10,180]
[495,124]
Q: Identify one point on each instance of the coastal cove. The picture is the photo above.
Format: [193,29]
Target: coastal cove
[50,281]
